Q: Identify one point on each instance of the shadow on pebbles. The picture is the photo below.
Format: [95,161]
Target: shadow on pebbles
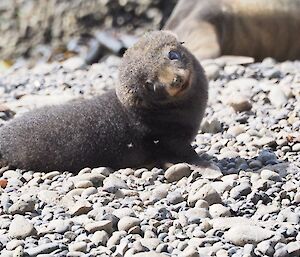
[246,204]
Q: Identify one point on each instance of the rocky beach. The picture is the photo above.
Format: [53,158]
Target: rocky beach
[247,204]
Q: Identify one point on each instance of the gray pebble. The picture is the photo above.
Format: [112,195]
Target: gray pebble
[265,248]
[194,215]
[240,190]
[176,197]
[113,183]
[42,249]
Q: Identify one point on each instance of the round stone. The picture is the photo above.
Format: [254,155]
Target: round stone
[127,222]
[177,172]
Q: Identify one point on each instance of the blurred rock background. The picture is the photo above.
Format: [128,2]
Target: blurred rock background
[29,27]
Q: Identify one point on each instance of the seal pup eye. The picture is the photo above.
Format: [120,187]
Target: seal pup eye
[174,55]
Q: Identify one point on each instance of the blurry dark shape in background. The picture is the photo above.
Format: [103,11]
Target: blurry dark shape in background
[256,28]
[56,29]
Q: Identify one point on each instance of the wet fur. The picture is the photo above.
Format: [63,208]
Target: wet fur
[129,127]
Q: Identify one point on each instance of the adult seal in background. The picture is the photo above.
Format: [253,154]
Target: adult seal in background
[256,28]
[150,118]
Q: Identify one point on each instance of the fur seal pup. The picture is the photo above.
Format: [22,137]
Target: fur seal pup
[150,118]
[256,28]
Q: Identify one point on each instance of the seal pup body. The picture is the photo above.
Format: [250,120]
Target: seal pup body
[150,118]
[256,28]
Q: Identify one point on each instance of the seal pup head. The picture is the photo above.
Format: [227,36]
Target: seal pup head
[157,70]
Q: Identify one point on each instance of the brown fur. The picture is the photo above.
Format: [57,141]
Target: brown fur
[257,28]
[138,124]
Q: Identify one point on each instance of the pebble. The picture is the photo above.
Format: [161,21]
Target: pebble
[50,175]
[42,249]
[240,190]
[95,178]
[113,183]
[296,147]
[150,243]
[293,248]
[73,63]
[176,197]
[270,175]
[48,196]
[219,210]
[245,234]
[22,206]
[100,237]
[116,238]
[78,247]
[83,184]
[18,252]
[211,172]
[211,126]
[190,252]
[177,172]
[20,227]
[265,248]
[80,207]
[240,104]
[60,226]
[127,222]
[160,192]
[281,252]
[105,225]
[211,71]
[203,192]
[277,97]
[194,215]
[13,244]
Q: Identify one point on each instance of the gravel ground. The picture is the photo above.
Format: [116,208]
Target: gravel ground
[247,205]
